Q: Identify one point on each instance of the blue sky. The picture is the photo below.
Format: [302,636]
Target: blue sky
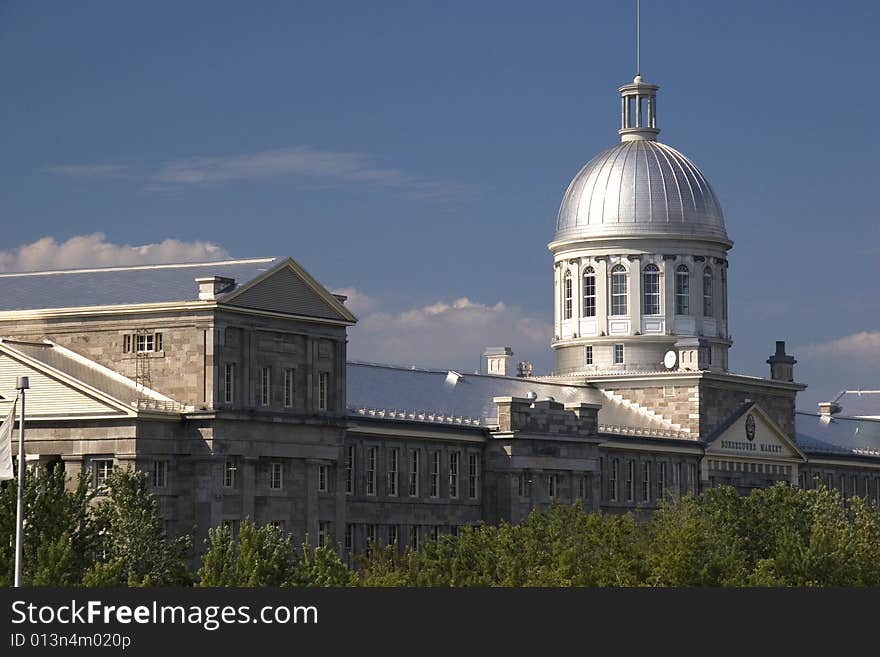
[415,153]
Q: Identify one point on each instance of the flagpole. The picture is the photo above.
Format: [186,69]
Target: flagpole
[22,384]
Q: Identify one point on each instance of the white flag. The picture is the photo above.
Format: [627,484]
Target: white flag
[6,445]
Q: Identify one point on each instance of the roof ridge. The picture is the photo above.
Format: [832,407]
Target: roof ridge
[169,265]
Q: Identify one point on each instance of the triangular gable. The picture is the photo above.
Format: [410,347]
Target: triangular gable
[766,441]
[52,394]
[287,288]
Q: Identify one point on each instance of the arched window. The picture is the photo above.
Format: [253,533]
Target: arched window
[651,290]
[589,292]
[566,296]
[618,290]
[682,290]
[708,292]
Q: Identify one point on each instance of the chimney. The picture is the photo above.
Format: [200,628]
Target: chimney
[211,286]
[781,364]
[497,359]
[827,409]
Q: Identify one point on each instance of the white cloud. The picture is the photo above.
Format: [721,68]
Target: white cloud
[296,161]
[443,334]
[95,251]
[861,348]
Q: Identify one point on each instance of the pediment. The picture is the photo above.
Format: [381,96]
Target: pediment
[288,289]
[753,434]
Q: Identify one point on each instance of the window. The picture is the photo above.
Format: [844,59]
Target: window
[618,354]
[349,469]
[682,290]
[651,290]
[708,292]
[802,480]
[229,383]
[323,379]
[371,535]
[349,537]
[160,474]
[522,485]
[473,475]
[288,386]
[276,475]
[229,470]
[618,290]
[371,471]
[630,481]
[661,480]
[612,480]
[101,469]
[435,474]
[552,486]
[829,481]
[567,296]
[393,466]
[392,534]
[692,476]
[453,474]
[589,292]
[323,534]
[435,532]
[323,478]
[265,385]
[588,355]
[676,474]
[414,537]
[646,482]
[582,487]
[144,343]
[414,473]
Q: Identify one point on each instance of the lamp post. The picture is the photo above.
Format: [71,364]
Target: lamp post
[21,383]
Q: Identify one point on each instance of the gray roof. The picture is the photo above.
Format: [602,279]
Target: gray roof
[640,187]
[858,403]
[112,286]
[839,435]
[449,397]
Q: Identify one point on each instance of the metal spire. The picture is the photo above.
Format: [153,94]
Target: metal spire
[638,37]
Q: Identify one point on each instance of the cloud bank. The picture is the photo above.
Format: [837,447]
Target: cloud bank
[862,348]
[95,251]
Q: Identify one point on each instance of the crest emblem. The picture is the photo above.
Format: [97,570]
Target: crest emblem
[750,427]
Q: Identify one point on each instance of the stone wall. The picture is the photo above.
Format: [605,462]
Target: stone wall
[718,400]
[677,402]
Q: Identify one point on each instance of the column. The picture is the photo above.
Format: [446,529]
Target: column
[668,281]
[635,296]
[602,291]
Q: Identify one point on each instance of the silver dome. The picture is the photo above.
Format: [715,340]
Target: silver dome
[640,188]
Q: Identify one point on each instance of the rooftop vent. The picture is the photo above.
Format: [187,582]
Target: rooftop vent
[211,286]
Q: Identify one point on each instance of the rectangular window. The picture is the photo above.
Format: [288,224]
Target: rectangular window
[349,537]
[589,293]
[435,532]
[473,475]
[371,535]
[661,480]
[435,474]
[276,475]
[349,469]
[414,537]
[552,486]
[588,355]
[229,383]
[693,480]
[288,387]
[453,474]
[677,483]
[583,487]
[618,291]
[651,291]
[521,487]
[229,470]
[618,354]
[265,385]
[323,534]
[101,469]
[126,343]
[392,534]
[682,291]
[646,481]
[160,474]
[414,473]
[613,474]
[323,478]
[630,481]
[393,463]
[371,471]
[323,379]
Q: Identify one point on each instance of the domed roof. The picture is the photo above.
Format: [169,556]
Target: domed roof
[640,187]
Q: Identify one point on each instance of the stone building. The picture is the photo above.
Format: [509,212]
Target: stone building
[228,382]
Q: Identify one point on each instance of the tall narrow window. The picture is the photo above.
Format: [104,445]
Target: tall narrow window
[552,486]
[589,292]
[661,480]
[229,470]
[160,474]
[393,467]
[288,387]
[588,355]
[349,469]
[693,481]
[265,385]
[613,473]
[414,537]
[618,290]
[323,478]
[682,290]
[126,343]
[392,534]
[582,487]
[676,475]
[349,537]
[473,475]
[371,470]
[323,534]
[435,474]
[323,378]
[708,292]
[276,476]
[371,535]
[414,473]
[453,474]
[646,481]
[229,383]
[651,290]
[630,481]
[522,485]
[567,296]
[618,354]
